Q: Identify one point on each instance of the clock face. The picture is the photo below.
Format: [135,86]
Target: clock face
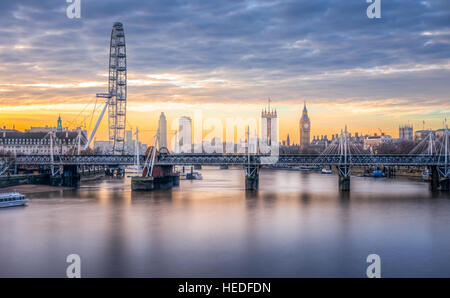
[306,125]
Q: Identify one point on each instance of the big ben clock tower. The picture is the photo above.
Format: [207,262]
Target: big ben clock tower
[305,129]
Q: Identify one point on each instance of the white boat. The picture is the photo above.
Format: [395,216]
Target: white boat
[197,176]
[327,171]
[426,175]
[12,199]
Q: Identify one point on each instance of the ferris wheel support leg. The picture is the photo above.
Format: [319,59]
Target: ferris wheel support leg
[96,126]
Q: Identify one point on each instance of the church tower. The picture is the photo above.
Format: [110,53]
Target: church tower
[305,129]
[59,125]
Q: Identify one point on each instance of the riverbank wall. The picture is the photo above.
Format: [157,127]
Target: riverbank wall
[14,180]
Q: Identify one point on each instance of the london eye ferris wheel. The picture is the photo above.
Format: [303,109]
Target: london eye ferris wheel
[117,89]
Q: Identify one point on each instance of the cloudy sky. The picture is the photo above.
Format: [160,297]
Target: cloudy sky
[226,58]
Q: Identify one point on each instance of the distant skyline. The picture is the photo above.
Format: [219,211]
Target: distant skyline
[226,58]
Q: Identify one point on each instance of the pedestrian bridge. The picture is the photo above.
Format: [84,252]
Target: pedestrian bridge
[239,159]
[438,165]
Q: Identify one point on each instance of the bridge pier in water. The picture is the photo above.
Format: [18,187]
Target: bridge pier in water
[70,177]
[445,184]
[389,171]
[344,177]
[163,177]
[439,181]
[252,177]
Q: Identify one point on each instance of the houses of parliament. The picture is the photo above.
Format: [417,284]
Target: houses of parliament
[269,127]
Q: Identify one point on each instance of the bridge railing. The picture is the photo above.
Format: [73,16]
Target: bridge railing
[234,159]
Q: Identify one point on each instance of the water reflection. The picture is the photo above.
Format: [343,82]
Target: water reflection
[296,225]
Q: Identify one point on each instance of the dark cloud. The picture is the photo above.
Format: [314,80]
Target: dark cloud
[290,49]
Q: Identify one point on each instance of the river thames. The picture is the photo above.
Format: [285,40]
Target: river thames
[296,225]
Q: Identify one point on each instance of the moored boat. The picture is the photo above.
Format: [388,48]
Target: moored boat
[12,199]
[195,176]
[426,175]
[377,173]
[191,176]
[326,171]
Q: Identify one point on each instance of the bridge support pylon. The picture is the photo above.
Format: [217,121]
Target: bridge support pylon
[389,171]
[440,180]
[252,177]
[344,177]
[445,184]
[163,177]
[71,176]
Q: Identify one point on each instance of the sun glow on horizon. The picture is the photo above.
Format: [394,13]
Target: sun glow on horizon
[326,119]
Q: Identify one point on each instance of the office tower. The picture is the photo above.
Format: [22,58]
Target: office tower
[162,131]
[129,144]
[185,134]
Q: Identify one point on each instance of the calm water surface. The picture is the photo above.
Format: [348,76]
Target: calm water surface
[296,225]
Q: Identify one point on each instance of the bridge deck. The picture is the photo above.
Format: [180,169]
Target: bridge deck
[237,159]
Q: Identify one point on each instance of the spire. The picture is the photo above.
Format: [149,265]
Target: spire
[304,108]
[59,124]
